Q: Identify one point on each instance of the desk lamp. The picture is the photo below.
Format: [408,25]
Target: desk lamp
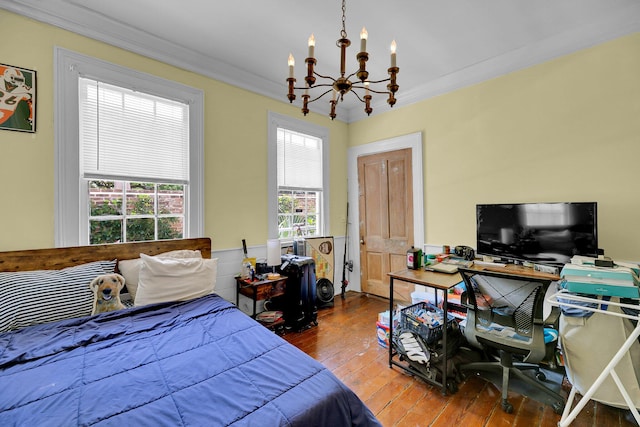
[274,253]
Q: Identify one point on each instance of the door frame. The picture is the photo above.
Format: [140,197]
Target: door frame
[413,141]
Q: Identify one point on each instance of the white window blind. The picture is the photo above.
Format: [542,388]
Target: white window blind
[131,135]
[299,160]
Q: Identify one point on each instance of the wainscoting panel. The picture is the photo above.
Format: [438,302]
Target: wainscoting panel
[229,261]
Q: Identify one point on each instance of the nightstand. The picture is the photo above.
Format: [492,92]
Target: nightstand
[259,290]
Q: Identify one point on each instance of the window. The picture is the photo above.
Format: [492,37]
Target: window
[298,178]
[129,154]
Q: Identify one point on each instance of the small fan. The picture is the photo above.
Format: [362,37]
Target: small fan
[324,293]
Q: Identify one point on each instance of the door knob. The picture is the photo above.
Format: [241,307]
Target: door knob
[362,241]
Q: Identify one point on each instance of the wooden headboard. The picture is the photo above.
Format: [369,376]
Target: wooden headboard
[57,258]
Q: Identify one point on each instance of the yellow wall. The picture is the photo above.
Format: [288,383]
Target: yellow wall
[235,145]
[565,130]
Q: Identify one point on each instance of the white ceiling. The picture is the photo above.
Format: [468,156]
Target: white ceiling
[442,45]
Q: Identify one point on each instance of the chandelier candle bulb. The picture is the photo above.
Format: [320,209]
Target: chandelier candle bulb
[312,45]
[363,39]
[291,63]
[394,46]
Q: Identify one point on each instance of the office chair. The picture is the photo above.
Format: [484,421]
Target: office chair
[505,315]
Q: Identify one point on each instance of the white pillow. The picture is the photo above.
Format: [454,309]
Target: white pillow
[130,268]
[174,279]
[42,296]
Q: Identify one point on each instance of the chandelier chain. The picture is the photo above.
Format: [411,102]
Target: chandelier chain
[343,33]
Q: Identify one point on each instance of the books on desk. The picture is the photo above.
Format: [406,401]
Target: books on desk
[608,281]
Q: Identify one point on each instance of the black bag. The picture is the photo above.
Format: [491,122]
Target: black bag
[300,310]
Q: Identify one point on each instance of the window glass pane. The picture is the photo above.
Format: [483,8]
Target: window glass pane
[140,199]
[105,198]
[105,231]
[311,222]
[170,228]
[285,202]
[170,199]
[284,225]
[139,229]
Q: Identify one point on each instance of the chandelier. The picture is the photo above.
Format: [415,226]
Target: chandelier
[343,85]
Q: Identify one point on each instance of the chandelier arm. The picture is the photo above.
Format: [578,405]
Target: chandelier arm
[357,96]
[373,82]
[314,86]
[351,75]
[324,77]
[370,81]
[318,97]
[372,90]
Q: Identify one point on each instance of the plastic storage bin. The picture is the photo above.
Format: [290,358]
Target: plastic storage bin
[411,320]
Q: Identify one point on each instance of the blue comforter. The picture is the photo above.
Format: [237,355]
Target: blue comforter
[194,363]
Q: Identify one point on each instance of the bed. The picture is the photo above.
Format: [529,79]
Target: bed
[195,362]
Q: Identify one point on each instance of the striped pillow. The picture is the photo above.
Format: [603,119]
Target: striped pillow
[33,297]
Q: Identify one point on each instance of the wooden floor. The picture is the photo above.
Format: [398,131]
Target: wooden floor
[345,341]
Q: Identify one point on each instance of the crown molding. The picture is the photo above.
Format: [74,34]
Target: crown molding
[624,22]
[80,20]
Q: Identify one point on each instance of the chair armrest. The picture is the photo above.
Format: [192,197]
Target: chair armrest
[553,317]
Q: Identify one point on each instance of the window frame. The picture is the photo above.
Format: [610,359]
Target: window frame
[281,121]
[71,211]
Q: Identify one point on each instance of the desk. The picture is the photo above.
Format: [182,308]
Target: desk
[444,282]
[430,279]
[565,299]
[518,270]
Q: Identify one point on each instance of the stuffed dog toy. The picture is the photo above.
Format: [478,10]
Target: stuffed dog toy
[106,293]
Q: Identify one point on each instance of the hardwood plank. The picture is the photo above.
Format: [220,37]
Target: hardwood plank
[345,341]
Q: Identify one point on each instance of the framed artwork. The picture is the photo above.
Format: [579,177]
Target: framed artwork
[17,98]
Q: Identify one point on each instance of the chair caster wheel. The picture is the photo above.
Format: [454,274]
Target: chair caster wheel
[452,387]
[507,407]
[558,408]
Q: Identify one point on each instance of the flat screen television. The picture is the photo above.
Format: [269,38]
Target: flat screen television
[541,233]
